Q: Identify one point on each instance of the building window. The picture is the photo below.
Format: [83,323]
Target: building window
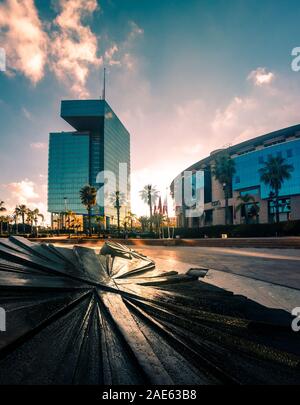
[250,213]
[237,179]
[279,154]
[208,217]
[289,153]
[284,210]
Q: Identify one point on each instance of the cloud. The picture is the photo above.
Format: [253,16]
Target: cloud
[109,56]
[32,194]
[25,41]
[171,133]
[38,145]
[261,76]
[67,44]
[22,192]
[122,55]
[73,45]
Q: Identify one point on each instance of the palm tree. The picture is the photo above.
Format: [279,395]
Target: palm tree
[10,221]
[224,171]
[117,199]
[273,174]
[3,220]
[21,211]
[15,218]
[2,209]
[149,195]
[243,201]
[37,214]
[88,195]
[30,219]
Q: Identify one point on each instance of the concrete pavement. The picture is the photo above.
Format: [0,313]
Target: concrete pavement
[268,276]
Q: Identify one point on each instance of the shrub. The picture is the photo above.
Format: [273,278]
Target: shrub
[289,228]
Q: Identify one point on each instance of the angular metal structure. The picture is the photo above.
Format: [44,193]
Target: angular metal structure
[77,317]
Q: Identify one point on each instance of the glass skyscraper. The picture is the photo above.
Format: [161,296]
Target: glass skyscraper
[99,142]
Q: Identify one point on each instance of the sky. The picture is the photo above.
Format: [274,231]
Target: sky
[185,78]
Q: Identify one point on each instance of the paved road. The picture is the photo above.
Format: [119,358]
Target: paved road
[272,265]
[268,276]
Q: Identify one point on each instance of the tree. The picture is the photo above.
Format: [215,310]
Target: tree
[36,215]
[101,221]
[223,172]
[244,200]
[273,174]
[15,218]
[10,222]
[158,220]
[30,219]
[2,218]
[118,199]
[2,208]
[130,218]
[149,195]
[88,195]
[144,221]
[21,211]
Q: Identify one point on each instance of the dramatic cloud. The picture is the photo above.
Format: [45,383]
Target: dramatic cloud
[261,76]
[22,35]
[73,45]
[67,44]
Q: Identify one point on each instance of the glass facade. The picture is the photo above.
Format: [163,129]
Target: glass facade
[75,159]
[116,150]
[248,165]
[68,171]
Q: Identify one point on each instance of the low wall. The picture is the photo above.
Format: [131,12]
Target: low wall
[271,243]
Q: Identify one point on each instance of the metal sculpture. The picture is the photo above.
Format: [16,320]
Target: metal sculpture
[77,317]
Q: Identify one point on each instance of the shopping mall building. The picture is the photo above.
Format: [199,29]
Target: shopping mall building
[249,157]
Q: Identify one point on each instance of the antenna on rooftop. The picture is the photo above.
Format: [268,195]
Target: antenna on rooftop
[104,85]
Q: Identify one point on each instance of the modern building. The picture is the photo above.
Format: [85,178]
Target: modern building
[249,157]
[99,142]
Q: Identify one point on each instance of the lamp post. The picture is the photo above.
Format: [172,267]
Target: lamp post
[226,202]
